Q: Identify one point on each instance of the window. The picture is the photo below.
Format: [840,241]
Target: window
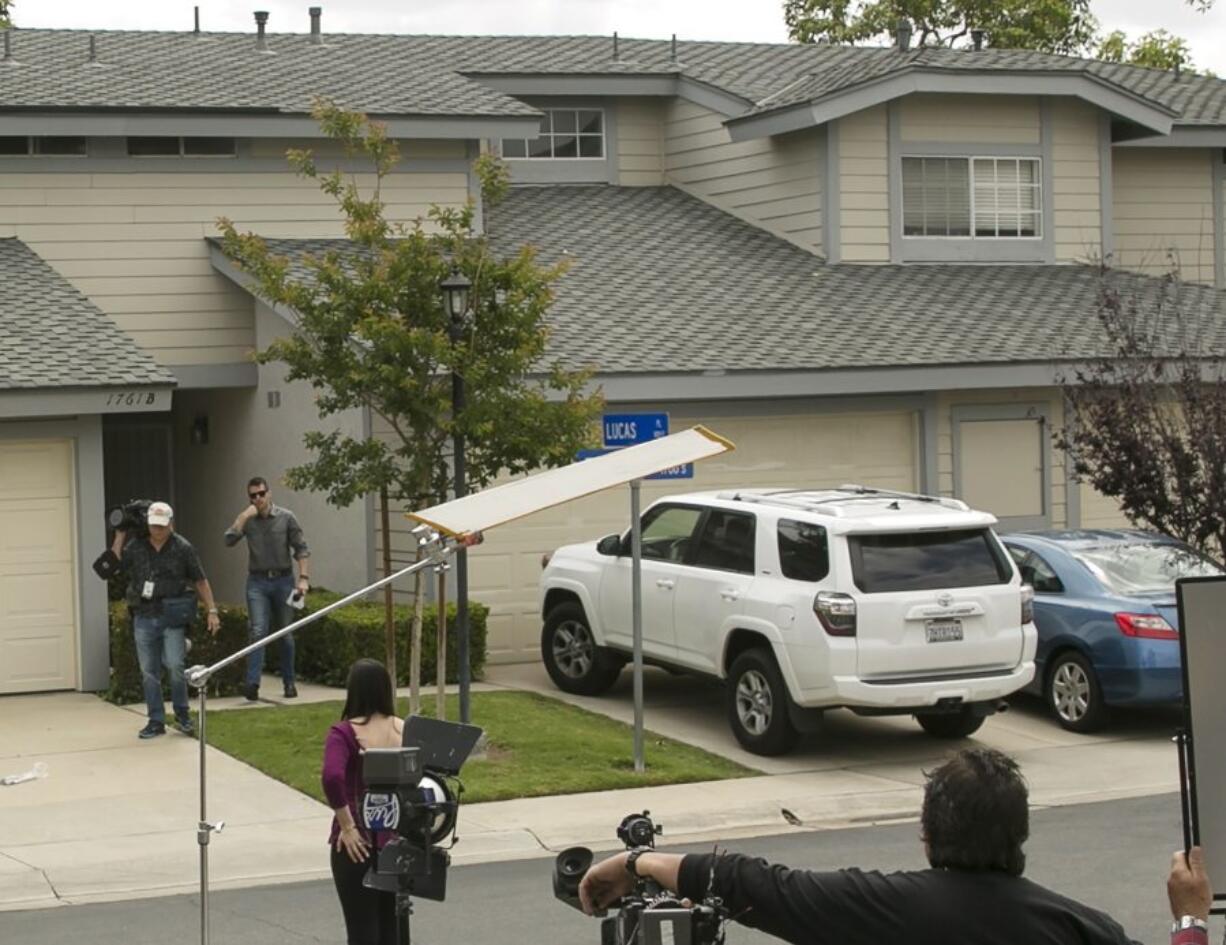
[1036,572]
[727,542]
[50,146]
[565,133]
[667,530]
[980,198]
[176,147]
[927,561]
[803,552]
[1132,570]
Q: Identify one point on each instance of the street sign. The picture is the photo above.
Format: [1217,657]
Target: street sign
[630,429]
[684,471]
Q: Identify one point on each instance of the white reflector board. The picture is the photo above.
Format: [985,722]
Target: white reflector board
[1202,644]
[506,503]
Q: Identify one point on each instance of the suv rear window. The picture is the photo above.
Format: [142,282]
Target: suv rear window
[927,561]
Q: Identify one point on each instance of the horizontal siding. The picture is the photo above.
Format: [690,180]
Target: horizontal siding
[773,183]
[1076,197]
[640,152]
[134,242]
[864,216]
[1163,210]
[973,119]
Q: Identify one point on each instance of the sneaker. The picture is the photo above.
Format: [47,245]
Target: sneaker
[291,691]
[184,724]
[251,693]
[152,730]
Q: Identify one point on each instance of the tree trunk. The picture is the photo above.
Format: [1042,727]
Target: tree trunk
[440,677]
[389,614]
[419,606]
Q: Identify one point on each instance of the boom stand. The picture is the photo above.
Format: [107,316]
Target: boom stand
[436,551]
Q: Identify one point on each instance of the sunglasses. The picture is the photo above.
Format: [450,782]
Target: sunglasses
[257,495]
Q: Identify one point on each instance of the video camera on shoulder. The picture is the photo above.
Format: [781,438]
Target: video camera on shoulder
[414,792]
[649,915]
[131,518]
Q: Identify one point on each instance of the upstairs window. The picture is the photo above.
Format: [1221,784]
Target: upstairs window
[565,133]
[972,197]
[180,147]
[45,146]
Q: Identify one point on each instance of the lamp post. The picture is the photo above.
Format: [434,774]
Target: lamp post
[455,289]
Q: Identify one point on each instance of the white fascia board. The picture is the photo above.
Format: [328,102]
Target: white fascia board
[268,125]
[85,401]
[1181,136]
[819,112]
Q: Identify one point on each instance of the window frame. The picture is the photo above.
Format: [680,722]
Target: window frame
[654,513]
[33,152]
[181,141]
[700,533]
[1040,211]
[551,158]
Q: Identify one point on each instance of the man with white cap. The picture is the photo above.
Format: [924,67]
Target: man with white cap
[162,569]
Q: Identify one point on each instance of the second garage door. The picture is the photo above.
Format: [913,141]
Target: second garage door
[813,450]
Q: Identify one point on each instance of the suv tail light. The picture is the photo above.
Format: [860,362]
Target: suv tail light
[1027,604]
[1148,626]
[837,612]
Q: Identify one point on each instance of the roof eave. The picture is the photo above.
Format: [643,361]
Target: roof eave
[671,84]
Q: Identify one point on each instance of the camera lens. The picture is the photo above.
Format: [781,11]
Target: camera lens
[640,832]
[574,862]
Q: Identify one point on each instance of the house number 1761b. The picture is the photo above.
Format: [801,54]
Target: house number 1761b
[131,398]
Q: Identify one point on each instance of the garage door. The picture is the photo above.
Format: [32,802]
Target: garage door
[38,598]
[1100,511]
[877,449]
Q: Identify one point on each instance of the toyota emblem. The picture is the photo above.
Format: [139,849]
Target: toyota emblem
[945,599]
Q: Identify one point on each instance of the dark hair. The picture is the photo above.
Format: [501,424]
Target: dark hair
[369,691]
[976,814]
[257,481]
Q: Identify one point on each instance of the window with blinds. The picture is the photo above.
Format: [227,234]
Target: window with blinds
[972,197]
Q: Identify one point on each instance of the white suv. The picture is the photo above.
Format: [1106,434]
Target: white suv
[886,603]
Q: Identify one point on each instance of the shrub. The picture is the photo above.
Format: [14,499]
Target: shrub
[325,649]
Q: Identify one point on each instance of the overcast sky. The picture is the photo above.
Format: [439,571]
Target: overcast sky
[751,20]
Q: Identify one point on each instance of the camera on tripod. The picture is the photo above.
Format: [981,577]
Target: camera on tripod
[649,915]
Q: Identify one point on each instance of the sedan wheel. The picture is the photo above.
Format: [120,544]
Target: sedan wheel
[1074,694]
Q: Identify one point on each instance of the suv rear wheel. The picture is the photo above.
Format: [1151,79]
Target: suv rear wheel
[573,660]
[758,704]
[957,724]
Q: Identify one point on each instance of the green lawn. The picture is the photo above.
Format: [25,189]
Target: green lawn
[537,746]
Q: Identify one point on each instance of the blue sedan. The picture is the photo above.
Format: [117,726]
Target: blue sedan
[1105,611]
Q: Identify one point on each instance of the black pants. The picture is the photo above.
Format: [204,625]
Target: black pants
[370,916]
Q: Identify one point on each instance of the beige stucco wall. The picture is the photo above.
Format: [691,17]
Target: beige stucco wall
[774,183]
[134,242]
[1163,211]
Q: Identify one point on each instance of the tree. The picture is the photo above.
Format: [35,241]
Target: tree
[372,333]
[6,18]
[1055,26]
[1146,421]
[1156,50]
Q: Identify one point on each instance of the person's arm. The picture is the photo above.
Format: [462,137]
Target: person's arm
[337,751]
[302,554]
[117,544]
[1190,895]
[205,590]
[237,531]
[609,880]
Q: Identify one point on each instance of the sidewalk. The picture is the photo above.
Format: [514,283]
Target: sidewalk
[116,818]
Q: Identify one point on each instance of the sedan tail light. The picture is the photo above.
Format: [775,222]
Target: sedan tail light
[837,612]
[1027,604]
[1148,626]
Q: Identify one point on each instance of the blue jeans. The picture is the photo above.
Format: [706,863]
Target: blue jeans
[158,645]
[266,604]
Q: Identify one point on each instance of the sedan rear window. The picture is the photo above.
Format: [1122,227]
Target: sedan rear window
[1144,568]
[927,561]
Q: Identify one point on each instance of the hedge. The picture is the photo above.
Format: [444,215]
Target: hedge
[325,649]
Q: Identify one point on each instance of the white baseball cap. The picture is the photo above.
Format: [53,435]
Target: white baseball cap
[160,514]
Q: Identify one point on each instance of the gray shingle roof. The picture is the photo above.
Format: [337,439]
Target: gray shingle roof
[662,282]
[435,75]
[54,337]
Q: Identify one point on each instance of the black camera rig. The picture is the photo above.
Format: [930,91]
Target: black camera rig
[131,518]
[649,915]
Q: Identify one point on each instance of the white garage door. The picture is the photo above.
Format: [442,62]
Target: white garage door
[877,449]
[1099,511]
[38,599]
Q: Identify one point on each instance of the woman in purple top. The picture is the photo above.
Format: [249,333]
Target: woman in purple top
[367,721]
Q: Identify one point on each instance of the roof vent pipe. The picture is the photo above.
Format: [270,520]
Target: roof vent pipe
[903,33]
[197,16]
[673,52]
[8,46]
[261,21]
[616,57]
[93,48]
[1178,67]
[977,39]
[316,35]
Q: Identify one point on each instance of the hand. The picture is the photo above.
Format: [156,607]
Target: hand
[214,624]
[304,584]
[1188,887]
[604,884]
[351,842]
[249,512]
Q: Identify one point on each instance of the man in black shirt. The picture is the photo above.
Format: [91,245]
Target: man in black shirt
[975,819]
[163,569]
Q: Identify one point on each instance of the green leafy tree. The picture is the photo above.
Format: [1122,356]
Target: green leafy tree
[1156,50]
[6,18]
[372,333]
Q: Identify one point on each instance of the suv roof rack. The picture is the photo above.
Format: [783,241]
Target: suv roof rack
[827,504]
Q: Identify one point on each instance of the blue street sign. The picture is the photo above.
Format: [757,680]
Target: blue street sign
[629,429]
[684,471]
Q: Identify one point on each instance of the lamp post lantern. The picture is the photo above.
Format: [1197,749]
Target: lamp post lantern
[455,289]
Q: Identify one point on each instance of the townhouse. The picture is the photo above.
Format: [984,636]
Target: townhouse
[859,264]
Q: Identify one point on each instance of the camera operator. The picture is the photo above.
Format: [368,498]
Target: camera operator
[974,821]
[162,568]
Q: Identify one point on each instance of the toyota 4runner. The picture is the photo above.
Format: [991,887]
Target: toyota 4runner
[885,603]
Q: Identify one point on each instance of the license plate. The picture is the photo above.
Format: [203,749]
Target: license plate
[943,631]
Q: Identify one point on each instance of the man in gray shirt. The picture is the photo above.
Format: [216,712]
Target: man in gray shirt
[274,542]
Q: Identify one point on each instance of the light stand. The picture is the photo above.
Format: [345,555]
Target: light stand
[436,550]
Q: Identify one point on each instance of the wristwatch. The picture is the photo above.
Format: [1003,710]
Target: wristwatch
[632,858]
[1179,925]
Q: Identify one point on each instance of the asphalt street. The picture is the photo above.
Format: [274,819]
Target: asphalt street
[1112,855]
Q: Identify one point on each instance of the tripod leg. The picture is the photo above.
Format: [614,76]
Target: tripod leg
[404,909]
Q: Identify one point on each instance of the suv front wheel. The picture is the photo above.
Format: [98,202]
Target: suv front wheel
[573,660]
[758,704]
